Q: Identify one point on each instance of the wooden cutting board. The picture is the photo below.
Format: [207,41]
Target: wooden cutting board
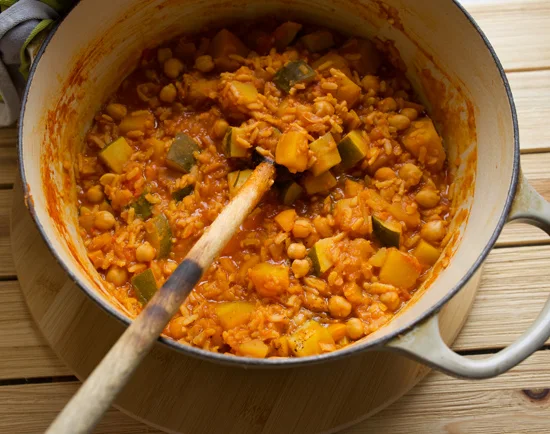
[177,393]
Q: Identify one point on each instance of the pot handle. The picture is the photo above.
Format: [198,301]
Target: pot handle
[424,342]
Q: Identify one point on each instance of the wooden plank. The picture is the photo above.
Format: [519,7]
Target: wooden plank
[438,404]
[8,156]
[24,351]
[518,31]
[514,286]
[7,268]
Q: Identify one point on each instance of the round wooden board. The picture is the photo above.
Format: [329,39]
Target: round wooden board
[180,394]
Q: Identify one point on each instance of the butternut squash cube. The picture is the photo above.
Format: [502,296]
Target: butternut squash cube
[270,280]
[426,253]
[319,184]
[400,269]
[254,348]
[306,339]
[326,152]
[292,151]
[234,313]
[422,134]
[286,219]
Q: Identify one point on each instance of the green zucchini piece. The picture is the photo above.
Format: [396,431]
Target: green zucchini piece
[231,146]
[319,184]
[320,255]
[290,192]
[142,207]
[326,152]
[116,154]
[145,285]
[285,34]
[352,148]
[237,179]
[159,235]
[318,41]
[180,155]
[294,72]
[183,192]
[386,232]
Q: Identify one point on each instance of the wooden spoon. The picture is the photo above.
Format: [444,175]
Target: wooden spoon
[96,394]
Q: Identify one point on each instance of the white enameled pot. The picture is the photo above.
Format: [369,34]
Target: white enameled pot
[448,60]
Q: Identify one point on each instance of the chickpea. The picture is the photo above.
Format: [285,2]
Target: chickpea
[387,105]
[177,327]
[399,122]
[433,230]
[370,82]
[95,194]
[163,54]
[339,307]
[427,198]
[302,228]
[116,111]
[107,179]
[173,67]
[296,251]
[168,93]
[323,108]
[104,220]
[391,300]
[411,174]
[117,276]
[300,267]
[220,128]
[204,63]
[145,253]
[411,113]
[384,174]
[354,328]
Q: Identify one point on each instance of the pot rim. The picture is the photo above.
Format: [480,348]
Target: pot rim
[288,361]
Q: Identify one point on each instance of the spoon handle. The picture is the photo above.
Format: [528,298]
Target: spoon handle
[96,394]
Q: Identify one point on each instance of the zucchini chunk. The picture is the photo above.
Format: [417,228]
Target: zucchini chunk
[159,235]
[232,148]
[183,192]
[321,256]
[426,253]
[326,152]
[318,41]
[290,192]
[292,151]
[143,207]
[180,155]
[116,154]
[386,232]
[293,72]
[145,285]
[285,34]
[236,180]
[319,184]
[352,148]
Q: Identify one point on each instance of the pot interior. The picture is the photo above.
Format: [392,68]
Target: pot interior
[447,61]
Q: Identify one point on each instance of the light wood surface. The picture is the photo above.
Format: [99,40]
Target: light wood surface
[515,282]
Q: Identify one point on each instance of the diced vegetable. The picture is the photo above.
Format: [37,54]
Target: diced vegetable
[352,148]
[347,90]
[145,285]
[386,232]
[369,60]
[286,219]
[321,255]
[349,217]
[222,45]
[400,269]
[180,155]
[285,34]
[232,147]
[142,207]
[270,280]
[233,314]
[352,188]
[326,152]
[159,235]
[237,179]
[318,41]
[293,72]
[135,122]
[426,253]
[116,155]
[337,331]
[254,348]
[306,340]
[200,90]
[290,192]
[246,93]
[318,184]
[332,60]
[378,259]
[183,192]
[292,151]
[378,203]
[422,134]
